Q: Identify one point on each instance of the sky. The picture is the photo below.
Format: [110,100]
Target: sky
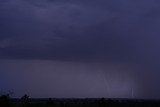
[80,48]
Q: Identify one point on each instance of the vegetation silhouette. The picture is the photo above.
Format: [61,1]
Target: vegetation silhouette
[50,102]
[5,100]
[26,101]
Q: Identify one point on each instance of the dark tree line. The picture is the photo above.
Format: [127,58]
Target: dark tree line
[25,101]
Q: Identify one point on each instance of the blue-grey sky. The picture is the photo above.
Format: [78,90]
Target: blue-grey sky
[83,32]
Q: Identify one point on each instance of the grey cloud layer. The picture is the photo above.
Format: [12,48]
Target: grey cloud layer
[101,30]
[80,29]
[52,26]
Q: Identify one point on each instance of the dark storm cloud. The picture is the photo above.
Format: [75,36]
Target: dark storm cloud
[48,29]
[103,30]
[110,30]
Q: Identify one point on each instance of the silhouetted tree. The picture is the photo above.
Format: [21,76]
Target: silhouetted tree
[25,100]
[5,100]
[102,102]
[50,102]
